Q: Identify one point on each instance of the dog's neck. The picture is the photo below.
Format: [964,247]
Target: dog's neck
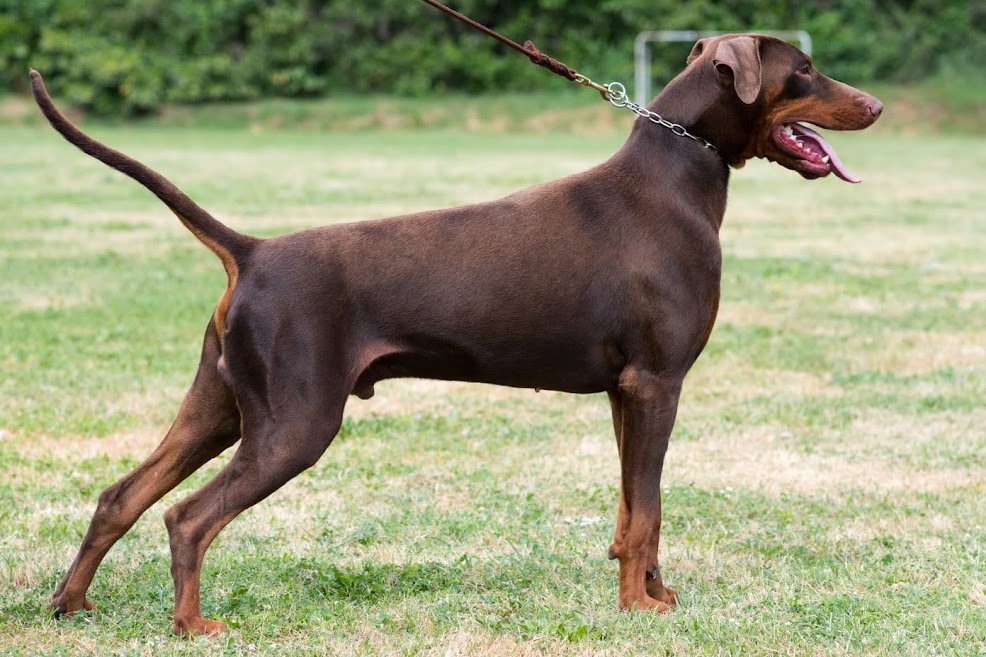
[660,163]
[698,100]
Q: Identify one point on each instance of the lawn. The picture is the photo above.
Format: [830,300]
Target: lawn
[824,489]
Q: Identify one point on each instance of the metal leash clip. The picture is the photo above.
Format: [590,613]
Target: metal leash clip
[603,89]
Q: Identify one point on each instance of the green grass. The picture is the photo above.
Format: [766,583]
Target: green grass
[824,485]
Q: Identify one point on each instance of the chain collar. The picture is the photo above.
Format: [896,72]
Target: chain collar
[616,94]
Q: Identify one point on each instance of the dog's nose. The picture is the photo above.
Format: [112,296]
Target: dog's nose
[873,105]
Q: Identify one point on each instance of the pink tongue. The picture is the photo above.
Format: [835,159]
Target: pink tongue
[835,163]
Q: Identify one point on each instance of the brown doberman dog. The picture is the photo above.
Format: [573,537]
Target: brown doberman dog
[604,281]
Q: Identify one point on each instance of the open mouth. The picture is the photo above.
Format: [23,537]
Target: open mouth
[815,156]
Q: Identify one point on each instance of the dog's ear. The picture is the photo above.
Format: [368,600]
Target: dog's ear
[697,49]
[739,59]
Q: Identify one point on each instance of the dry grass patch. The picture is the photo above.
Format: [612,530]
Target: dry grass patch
[859,529]
[916,352]
[875,245]
[931,439]
[406,396]
[731,383]
[466,643]
[126,444]
[757,459]
[80,296]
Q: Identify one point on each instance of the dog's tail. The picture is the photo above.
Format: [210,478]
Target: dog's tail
[231,247]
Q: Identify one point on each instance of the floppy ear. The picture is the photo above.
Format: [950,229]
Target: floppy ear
[740,58]
[697,49]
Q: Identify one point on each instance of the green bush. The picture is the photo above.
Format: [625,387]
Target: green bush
[130,56]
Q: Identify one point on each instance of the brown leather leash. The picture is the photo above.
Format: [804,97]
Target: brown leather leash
[614,92]
[529,49]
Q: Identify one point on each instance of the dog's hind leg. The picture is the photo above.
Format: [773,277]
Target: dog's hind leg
[207,423]
[267,458]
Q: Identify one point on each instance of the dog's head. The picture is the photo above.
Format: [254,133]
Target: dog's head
[767,91]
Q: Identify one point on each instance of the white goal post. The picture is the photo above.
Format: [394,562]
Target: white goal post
[642,60]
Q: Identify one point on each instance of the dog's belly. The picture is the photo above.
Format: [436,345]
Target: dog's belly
[558,366]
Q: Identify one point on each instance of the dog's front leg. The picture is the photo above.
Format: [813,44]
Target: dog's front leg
[644,409]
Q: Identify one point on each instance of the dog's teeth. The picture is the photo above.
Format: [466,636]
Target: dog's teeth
[825,159]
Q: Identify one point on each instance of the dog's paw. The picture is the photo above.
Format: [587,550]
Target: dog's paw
[646,603]
[663,594]
[198,625]
[63,606]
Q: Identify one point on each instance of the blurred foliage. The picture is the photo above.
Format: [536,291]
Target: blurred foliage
[129,56]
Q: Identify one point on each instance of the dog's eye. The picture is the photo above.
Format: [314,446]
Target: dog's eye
[805,70]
